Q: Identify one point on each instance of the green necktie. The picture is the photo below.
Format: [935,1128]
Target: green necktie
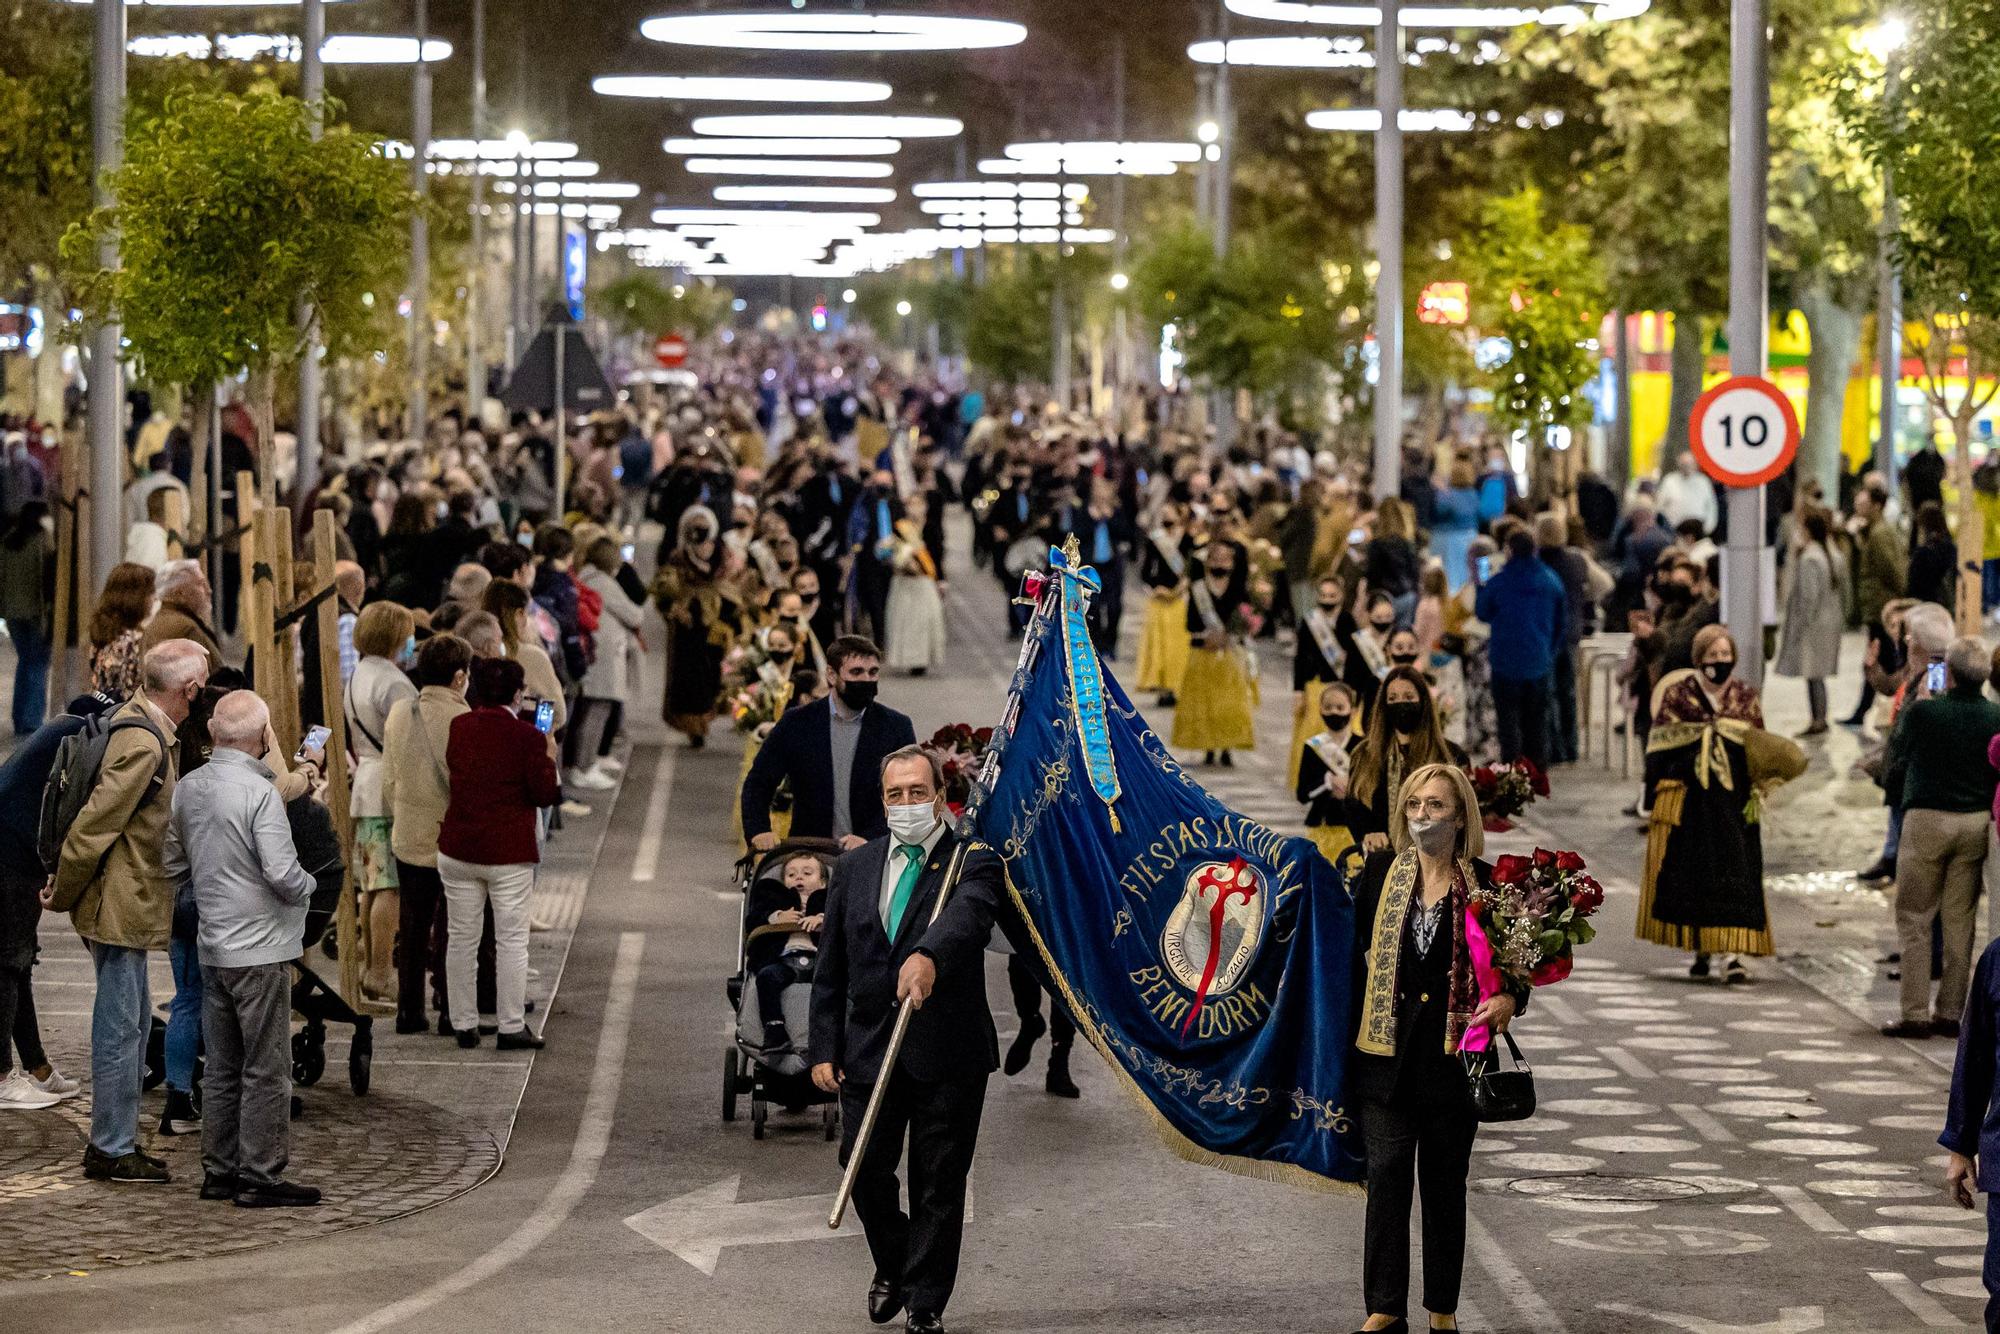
[906,886]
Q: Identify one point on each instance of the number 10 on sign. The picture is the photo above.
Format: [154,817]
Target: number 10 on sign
[1744,432]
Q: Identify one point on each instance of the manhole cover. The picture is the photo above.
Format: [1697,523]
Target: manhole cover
[1591,1186]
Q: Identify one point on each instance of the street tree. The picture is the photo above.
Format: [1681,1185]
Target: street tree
[231,219]
[1937,130]
[639,304]
[1539,285]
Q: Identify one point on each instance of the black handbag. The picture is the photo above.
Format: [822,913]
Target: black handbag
[1501,1095]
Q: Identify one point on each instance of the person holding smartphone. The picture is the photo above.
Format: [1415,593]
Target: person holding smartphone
[501,772]
[1942,744]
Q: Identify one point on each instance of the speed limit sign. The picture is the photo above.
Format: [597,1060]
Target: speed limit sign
[1744,431]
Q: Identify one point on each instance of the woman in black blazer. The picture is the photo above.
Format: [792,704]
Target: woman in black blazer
[1417,994]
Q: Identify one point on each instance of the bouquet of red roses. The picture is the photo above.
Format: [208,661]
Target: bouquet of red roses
[1536,912]
[960,747]
[1505,790]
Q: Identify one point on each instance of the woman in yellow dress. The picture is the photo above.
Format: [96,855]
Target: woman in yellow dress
[1324,762]
[1163,567]
[1218,697]
[1326,653]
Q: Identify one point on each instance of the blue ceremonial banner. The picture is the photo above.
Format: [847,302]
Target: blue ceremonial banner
[1208,957]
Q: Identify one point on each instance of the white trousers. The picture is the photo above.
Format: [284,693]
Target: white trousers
[468,888]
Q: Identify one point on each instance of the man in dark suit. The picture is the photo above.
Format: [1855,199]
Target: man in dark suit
[831,750]
[886,943]
[871,539]
[1104,535]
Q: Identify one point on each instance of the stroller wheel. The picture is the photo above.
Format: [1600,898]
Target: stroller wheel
[361,1058]
[759,1112]
[308,1056]
[829,1120]
[731,1062]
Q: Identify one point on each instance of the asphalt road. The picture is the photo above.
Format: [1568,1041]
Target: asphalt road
[1706,1159]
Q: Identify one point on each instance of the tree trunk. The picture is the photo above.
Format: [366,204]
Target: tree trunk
[1688,358]
[1971,534]
[48,372]
[1836,342]
[204,416]
[264,411]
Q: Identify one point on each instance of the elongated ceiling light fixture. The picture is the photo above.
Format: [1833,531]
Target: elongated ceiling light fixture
[833,32]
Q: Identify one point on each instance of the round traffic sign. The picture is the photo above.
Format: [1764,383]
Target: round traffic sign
[1744,431]
[671,351]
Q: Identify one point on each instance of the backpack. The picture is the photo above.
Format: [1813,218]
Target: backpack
[73,778]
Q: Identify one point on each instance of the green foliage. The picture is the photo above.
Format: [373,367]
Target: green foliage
[1540,286]
[641,304]
[1009,328]
[44,131]
[230,218]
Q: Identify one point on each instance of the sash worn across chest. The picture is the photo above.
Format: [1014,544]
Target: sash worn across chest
[1321,626]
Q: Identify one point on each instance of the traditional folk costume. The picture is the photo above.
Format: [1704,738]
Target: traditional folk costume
[916,611]
[1218,695]
[1327,652]
[702,619]
[1707,766]
[1163,642]
[1324,762]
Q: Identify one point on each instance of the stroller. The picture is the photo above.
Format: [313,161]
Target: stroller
[747,1067]
[312,999]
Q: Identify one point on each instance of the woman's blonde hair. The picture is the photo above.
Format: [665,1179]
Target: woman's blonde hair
[382,629]
[1471,833]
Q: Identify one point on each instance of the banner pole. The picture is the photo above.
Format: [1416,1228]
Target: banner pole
[988,771]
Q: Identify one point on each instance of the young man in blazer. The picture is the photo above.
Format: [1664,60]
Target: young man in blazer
[831,750]
[881,948]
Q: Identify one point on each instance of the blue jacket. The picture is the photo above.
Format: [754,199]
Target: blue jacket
[1972,1125]
[1525,604]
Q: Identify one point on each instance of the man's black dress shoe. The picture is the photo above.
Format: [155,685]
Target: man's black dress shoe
[923,1323]
[885,1299]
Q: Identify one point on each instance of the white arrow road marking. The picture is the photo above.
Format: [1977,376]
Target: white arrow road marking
[700,1225]
[1791,1320]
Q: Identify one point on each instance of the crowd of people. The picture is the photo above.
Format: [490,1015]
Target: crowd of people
[493,628]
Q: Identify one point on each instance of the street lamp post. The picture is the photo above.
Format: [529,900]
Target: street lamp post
[1388,253]
[107,390]
[519,328]
[312,84]
[1889,301]
[1749,315]
[420,237]
[475,310]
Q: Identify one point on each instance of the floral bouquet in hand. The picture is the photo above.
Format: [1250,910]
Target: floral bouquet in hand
[751,706]
[960,748]
[1535,913]
[1505,790]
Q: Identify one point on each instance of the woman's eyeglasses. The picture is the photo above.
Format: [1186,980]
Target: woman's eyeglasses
[1428,807]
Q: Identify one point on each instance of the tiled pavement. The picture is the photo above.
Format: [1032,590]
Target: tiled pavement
[434,1124]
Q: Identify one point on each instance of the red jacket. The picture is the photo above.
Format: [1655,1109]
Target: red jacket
[501,775]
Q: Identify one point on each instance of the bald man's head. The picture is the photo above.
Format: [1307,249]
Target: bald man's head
[351,581]
[238,723]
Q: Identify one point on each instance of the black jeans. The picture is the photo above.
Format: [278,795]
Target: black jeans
[1563,748]
[1423,1143]
[942,1120]
[1522,710]
[18,1029]
[576,737]
[772,979]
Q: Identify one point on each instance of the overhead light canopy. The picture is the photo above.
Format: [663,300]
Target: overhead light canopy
[785,147]
[835,169]
[831,126]
[492,150]
[1288,52]
[999,190]
[714,88]
[205,4]
[1008,166]
[833,32]
[1107,148]
[804,194]
[1420,15]
[345,49]
[1414,121]
[766,217]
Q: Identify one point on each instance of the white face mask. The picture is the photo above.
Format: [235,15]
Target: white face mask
[913,823]
[1434,838]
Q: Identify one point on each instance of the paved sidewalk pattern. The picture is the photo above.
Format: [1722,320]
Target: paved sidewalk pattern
[434,1125]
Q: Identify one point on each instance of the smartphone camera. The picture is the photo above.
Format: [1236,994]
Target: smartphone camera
[1934,681]
[545,715]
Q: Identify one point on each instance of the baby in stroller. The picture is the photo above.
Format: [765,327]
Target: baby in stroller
[784,915]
